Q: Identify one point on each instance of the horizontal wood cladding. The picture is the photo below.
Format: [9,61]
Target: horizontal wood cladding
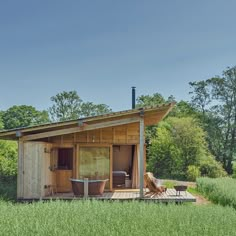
[124,134]
[81,128]
[44,132]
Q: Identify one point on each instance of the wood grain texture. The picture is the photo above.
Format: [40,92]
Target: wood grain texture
[63,182]
[80,129]
[168,196]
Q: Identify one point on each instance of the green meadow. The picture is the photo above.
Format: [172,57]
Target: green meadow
[114,218]
[93,217]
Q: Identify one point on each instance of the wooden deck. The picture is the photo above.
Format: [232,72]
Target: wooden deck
[169,196]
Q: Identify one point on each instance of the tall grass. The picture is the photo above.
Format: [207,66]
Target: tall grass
[8,187]
[220,190]
[114,218]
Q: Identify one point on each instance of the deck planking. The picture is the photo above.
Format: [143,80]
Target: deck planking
[169,196]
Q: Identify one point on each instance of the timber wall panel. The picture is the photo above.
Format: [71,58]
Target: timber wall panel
[120,134]
[93,136]
[123,134]
[107,135]
[81,137]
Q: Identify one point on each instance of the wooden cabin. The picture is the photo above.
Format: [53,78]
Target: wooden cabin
[110,146]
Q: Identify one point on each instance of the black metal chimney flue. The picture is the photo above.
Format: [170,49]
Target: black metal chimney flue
[133,97]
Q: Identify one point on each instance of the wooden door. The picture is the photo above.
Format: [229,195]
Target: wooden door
[63,182]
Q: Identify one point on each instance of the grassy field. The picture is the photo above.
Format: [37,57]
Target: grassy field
[110,218]
[114,218]
[221,190]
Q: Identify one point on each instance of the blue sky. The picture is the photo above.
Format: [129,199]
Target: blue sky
[101,48]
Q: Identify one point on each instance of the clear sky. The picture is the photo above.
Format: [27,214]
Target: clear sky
[101,48]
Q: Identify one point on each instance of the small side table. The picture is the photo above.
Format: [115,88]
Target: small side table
[180,188]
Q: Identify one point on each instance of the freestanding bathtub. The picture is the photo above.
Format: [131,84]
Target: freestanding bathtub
[95,187]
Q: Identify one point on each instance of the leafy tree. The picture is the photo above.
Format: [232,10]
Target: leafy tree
[1,122]
[216,100]
[193,173]
[210,167]
[163,153]
[201,98]
[171,98]
[179,143]
[23,116]
[91,109]
[68,105]
[8,158]
[150,100]
[184,109]
[190,138]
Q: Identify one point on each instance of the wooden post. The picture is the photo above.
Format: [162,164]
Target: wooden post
[111,166]
[140,160]
[20,172]
[85,187]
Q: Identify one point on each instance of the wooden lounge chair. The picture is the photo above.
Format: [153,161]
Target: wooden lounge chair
[151,183]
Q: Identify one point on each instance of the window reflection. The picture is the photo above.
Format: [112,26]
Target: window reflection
[94,163]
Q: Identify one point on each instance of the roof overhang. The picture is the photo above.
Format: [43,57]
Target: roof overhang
[152,115]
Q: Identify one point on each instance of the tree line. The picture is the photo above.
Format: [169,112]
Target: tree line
[65,106]
[197,138]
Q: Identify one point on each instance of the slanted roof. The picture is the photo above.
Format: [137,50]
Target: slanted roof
[152,115]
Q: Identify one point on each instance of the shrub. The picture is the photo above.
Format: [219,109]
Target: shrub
[211,168]
[193,172]
[178,143]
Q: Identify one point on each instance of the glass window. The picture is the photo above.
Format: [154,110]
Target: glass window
[94,163]
[65,159]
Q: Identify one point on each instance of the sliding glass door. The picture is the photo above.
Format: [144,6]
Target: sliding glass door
[94,163]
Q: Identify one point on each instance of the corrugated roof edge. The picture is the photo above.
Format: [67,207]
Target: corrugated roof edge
[90,118]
